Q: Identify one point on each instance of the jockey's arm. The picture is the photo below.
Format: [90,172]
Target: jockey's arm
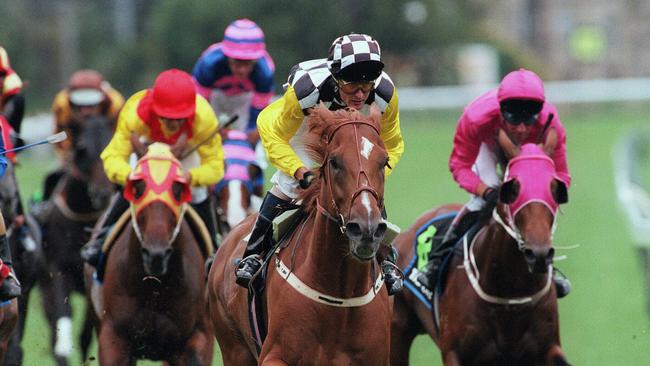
[467,142]
[3,158]
[116,154]
[391,133]
[211,169]
[277,124]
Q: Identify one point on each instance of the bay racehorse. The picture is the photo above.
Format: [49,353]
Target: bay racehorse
[27,252]
[496,305]
[24,237]
[237,194]
[324,301]
[80,197]
[152,302]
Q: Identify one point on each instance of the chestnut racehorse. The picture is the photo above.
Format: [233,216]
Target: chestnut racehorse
[498,305]
[323,295]
[153,291]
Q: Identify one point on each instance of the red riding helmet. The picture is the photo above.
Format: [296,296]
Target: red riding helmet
[174,96]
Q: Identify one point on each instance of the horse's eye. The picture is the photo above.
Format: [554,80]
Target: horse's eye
[334,164]
[177,191]
[139,187]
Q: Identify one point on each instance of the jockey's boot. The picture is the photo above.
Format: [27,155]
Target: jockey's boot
[10,287]
[206,211]
[91,252]
[258,243]
[456,230]
[562,284]
[393,276]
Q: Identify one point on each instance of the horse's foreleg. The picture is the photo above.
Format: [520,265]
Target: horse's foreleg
[52,288]
[403,330]
[198,350]
[450,358]
[555,357]
[113,350]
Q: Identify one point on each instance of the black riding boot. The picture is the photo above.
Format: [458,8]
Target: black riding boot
[10,286]
[562,283]
[206,211]
[272,207]
[436,255]
[91,252]
[393,276]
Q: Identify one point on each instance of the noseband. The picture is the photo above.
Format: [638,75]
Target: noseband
[361,187]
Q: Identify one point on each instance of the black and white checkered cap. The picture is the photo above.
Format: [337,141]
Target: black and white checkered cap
[351,49]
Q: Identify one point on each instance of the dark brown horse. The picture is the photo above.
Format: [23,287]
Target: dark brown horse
[323,296]
[27,253]
[498,306]
[80,197]
[153,292]
[8,321]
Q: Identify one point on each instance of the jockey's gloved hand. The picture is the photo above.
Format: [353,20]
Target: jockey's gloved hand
[305,182]
[491,196]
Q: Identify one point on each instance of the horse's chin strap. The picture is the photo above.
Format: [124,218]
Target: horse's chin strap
[473,275]
[177,228]
[322,298]
[510,228]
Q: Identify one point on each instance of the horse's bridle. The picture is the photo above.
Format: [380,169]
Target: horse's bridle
[365,187]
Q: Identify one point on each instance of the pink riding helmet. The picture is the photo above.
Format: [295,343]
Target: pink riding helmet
[244,40]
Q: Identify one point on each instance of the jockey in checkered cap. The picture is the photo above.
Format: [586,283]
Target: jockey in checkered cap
[350,77]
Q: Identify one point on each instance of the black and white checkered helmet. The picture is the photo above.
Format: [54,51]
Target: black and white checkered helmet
[355,57]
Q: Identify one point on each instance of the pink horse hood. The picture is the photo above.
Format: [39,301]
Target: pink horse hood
[535,171]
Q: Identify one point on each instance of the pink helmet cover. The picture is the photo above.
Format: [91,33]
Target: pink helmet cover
[244,40]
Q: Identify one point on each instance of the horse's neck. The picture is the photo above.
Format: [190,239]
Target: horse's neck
[501,265]
[325,261]
[75,192]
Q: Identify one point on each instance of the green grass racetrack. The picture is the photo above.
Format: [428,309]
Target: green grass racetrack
[603,321]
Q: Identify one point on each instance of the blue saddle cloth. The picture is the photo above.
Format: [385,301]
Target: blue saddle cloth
[427,236]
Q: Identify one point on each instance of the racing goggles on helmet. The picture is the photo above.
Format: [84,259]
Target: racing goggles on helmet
[351,87]
[516,112]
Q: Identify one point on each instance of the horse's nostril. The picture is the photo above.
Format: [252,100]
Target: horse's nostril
[381,230]
[353,229]
[550,254]
[529,255]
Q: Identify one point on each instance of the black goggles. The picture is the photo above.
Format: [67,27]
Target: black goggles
[518,118]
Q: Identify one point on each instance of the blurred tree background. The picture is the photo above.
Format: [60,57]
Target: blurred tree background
[130,41]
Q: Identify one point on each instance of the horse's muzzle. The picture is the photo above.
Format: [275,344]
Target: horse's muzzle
[365,238]
[156,261]
[539,259]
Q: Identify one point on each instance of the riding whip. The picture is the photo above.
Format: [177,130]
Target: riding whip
[53,139]
[232,120]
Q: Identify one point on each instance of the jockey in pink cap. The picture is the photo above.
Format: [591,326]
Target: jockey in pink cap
[236,76]
[519,108]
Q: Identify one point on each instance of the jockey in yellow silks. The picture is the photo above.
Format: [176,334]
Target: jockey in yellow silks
[170,111]
[352,76]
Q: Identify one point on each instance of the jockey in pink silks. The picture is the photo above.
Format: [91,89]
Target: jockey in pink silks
[519,108]
[236,77]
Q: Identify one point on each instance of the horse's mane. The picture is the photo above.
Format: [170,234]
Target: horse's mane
[320,121]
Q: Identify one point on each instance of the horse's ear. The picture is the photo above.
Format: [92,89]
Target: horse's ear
[179,147]
[559,191]
[550,142]
[138,147]
[509,148]
[509,191]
